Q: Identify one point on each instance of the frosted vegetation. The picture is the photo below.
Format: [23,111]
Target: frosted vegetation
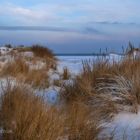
[45,97]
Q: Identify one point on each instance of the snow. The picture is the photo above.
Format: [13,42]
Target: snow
[50,95]
[136,54]
[74,63]
[125,124]
[6,58]
[5,82]
[5,50]
[37,65]
[114,57]
[68,82]
[53,75]
[27,54]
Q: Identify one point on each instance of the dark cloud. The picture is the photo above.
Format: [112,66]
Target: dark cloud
[83,30]
[91,30]
[114,23]
[34,28]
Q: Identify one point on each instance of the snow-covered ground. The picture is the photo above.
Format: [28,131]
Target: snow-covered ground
[74,63]
[5,50]
[125,125]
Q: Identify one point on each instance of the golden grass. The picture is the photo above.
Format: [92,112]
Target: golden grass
[46,54]
[27,117]
[117,82]
[95,96]
[81,123]
[65,74]
[37,78]
[15,67]
[20,69]
[38,50]
[41,51]
[57,82]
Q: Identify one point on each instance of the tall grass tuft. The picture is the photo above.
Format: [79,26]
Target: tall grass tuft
[117,83]
[82,124]
[41,51]
[27,117]
[15,67]
[65,74]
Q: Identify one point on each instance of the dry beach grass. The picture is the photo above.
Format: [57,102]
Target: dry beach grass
[118,82]
[29,118]
[93,98]
[32,70]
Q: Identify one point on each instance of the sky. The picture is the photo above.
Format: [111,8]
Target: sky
[75,26]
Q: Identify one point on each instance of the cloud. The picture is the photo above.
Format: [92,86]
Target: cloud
[98,19]
[70,12]
[25,15]
[84,30]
